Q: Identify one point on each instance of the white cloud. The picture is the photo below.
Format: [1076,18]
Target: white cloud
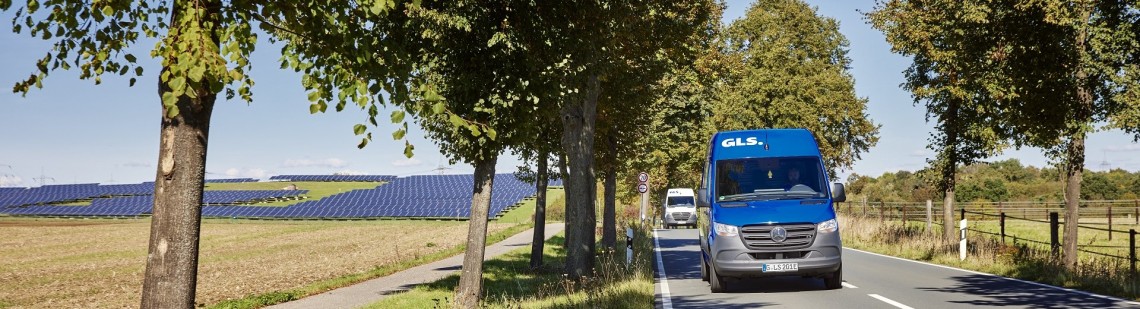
[350,172]
[246,173]
[10,181]
[326,163]
[407,162]
[1123,148]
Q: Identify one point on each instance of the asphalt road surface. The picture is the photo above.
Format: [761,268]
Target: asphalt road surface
[871,281]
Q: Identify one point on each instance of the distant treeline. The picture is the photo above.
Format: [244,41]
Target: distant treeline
[1006,180]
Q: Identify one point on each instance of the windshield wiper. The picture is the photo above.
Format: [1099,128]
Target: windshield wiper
[744,196]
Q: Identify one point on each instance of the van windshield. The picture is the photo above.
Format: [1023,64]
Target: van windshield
[769,179]
[680,201]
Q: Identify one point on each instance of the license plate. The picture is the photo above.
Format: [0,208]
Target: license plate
[781,267]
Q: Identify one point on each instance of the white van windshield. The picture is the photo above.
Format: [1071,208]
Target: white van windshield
[679,201]
[769,179]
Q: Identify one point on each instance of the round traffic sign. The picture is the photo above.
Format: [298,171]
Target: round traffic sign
[641,188]
[642,177]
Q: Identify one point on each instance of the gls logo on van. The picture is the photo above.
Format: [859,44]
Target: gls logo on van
[733,142]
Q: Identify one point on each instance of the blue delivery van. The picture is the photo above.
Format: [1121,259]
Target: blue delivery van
[766,209]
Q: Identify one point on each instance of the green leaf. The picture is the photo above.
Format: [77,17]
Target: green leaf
[397,116]
[132,82]
[363,142]
[177,84]
[457,121]
[408,147]
[130,58]
[358,129]
[314,108]
[492,134]
[399,134]
[197,72]
[313,96]
[108,11]
[171,112]
[438,108]
[169,99]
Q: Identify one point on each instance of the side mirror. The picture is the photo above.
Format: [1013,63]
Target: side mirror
[838,194]
[703,197]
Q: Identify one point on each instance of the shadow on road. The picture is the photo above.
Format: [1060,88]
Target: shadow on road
[995,291]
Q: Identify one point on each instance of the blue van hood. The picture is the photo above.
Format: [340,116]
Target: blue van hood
[777,212]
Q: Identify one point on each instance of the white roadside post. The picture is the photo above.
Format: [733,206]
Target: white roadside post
[628,246]
[962,243]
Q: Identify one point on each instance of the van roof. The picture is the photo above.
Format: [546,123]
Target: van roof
[762,143]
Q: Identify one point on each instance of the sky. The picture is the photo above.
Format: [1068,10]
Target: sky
[73,131]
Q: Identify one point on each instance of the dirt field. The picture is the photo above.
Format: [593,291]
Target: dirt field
[99,263]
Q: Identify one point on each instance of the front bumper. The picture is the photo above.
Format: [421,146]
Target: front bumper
[670,219]
[731,258]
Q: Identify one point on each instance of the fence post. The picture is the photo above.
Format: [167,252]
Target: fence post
[902,210]
[1109,222]
[881,216]
[1002,227]
[929,214]
[1054,238]
[864,206]
[1132,251]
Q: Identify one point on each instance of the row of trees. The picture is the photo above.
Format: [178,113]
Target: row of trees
[999,181]
[1042,73]
[587,90]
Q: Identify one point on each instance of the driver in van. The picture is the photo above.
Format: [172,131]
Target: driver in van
[793,178]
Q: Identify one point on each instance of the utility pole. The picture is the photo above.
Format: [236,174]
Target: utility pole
[43,178]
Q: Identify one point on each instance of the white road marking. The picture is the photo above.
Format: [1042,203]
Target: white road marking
[849,286]
[889,301]
[1006,278]
[666,303]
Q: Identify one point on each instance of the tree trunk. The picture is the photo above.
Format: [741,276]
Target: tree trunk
[170,279]
[1075,152]
[538,242]
[609,216]
[950,126]
[471,280]
[578,117]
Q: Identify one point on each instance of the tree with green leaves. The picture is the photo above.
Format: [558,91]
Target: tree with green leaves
[788,69]
[1048,71]
[204,48]
[963,134]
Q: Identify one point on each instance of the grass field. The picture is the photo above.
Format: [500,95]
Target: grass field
[98,263]
[509,282]
[555,207]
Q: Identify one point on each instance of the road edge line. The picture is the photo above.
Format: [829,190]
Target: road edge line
[663,279]
[1090,294]
[889,301]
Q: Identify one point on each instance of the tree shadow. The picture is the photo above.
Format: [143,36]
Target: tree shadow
[998,291]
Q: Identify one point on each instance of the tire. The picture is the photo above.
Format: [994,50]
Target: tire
[704,269]
[717,284]
[834,281]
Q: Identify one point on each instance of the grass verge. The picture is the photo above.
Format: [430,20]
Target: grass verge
[276,297]
[509,282]
[1106,276]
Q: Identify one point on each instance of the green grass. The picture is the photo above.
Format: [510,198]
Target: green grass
[317,189]
[523,213]
[276,297]
[1040,232]
[509,282]
[987,254]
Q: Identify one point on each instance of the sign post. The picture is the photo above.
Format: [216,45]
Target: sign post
[643,188]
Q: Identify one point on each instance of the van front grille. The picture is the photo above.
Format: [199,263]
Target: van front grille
[759,237]
[682,216]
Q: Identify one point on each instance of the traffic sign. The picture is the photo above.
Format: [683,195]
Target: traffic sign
[643,177]
[642,188]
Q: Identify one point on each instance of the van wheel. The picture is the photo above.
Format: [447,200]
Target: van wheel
[716,282]
[704,269]
[835,280]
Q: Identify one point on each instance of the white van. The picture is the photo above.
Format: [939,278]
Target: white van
[680,208]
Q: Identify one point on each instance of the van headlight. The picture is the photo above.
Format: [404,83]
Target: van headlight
[829,226]
[725,230]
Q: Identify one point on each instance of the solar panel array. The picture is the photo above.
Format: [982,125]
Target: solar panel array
[361,178]
[424,196]
[231,180]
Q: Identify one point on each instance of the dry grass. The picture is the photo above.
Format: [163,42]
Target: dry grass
[99,263]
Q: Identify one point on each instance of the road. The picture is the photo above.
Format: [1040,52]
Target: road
[871,281]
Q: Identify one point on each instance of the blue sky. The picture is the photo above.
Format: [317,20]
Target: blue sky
[73,131]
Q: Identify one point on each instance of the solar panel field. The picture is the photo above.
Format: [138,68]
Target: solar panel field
[98,263]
